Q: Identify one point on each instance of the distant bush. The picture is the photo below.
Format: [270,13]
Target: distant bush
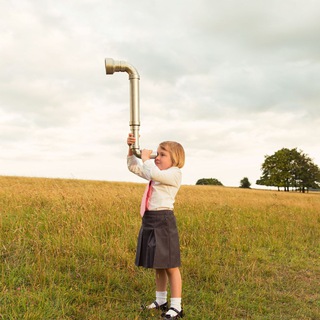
[245,183]
[209,181]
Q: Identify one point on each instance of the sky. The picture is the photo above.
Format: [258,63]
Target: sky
[232,81]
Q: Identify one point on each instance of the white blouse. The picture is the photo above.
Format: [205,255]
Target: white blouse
[166,182]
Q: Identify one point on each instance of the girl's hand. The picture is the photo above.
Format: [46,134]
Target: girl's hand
[145,154]
[131,139]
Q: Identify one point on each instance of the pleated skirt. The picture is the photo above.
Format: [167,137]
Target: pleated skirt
[158,241]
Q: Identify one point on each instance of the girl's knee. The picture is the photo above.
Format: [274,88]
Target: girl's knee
[172,271]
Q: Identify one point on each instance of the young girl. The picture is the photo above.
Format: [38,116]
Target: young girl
[158,241]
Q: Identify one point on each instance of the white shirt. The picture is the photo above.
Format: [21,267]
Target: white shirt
[166,182]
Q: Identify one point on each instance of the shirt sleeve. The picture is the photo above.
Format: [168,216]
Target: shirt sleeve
[149,171]
[136,167]
[171,176]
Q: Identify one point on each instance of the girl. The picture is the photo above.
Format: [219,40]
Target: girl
[158,241]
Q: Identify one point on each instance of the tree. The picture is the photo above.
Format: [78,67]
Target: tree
[306,174]
[245,183]
[209,181]
[276,169]
[289,168]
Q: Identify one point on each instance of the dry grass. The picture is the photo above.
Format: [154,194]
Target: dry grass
[68,246]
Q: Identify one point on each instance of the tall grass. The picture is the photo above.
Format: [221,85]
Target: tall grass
[68,248]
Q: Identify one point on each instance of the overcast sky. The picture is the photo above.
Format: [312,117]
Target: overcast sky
[231,80]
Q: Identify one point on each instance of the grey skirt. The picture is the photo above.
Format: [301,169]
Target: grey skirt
[158,242]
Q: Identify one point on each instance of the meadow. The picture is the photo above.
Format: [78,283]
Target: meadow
[68,248]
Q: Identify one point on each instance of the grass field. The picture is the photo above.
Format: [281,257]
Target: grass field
[68,248]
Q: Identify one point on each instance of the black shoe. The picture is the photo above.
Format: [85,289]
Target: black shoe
[177,316]
[162,307]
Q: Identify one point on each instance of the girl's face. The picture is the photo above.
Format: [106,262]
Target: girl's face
[163,160]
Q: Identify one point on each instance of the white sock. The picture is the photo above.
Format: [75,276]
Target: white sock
[174,303]
[161,298]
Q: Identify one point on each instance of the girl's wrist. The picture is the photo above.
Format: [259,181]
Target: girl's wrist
[130,153]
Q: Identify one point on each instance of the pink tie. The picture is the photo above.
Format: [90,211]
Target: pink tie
[146,197]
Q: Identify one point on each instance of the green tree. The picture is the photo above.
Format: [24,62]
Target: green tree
[306,174]
[245,183]
[289,168]
[209,181]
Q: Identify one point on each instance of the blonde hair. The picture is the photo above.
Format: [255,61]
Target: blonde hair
[176,152]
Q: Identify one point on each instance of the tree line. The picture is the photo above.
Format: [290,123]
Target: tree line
[286,168]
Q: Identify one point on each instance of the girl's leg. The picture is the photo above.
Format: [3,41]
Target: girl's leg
[161,290]
[176,290]
[161,280]
[175,282]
